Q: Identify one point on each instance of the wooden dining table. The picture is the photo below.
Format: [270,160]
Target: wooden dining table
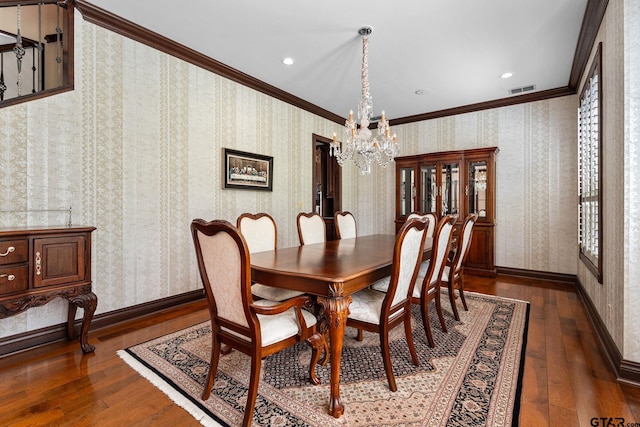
[332,271]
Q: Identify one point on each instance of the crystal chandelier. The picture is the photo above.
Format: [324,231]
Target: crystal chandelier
[361,145]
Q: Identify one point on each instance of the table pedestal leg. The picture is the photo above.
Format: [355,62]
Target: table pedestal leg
[336,310]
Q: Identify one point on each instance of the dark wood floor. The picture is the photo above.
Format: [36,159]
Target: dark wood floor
[567,381]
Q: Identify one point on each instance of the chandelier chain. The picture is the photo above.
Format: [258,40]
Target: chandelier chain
[365,68]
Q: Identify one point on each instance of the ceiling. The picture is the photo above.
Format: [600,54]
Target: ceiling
[452,50]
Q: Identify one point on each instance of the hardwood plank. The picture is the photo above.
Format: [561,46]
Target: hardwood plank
[534,405]
[587,394]
[561,416]
[559,381]
[613,402]
[632,396]
[564,304]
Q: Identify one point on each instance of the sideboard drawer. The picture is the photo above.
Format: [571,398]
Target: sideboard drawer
[14,251]
[14,279]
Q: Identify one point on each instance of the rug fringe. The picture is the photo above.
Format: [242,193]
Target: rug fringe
[176,397]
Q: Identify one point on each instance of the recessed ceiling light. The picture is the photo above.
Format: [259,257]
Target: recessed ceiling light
[506,75]
[288,61]
[422,91]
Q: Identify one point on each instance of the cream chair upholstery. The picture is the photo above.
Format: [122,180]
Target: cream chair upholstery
[452,273]
[256,329]
[260,232]
[432,226]
[311,228]
[432,221]
[345,224]
[380,312]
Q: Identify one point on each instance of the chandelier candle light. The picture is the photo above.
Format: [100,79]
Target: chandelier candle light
[361,146]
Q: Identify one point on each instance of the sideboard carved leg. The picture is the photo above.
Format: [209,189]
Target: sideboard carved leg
[88,302]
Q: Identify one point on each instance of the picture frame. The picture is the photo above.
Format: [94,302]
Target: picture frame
[247,171]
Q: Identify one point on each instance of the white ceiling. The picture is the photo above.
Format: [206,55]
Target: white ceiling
[455,49]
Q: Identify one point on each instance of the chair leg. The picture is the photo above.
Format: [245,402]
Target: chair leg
[452,299]
[409,335]
[253,390]
[386,357]
[461,292]
[424,305]
[439,309]
[325,349]
[323,329]
[316,341]
[360,336]
[213,367]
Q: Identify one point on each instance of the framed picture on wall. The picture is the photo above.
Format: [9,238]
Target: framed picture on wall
[247,171]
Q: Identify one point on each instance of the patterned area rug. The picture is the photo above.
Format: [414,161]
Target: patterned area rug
[471,378]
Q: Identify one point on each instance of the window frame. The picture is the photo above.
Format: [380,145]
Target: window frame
[586,169]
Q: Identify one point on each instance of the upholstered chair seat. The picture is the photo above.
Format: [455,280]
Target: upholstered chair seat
[272,293]
[445,273]
[381,285]
[424,268]
[279,327]
[366,306]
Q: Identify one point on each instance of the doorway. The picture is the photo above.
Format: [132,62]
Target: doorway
[327,183]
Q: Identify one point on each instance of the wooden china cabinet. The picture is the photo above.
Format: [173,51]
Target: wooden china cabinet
[452,183]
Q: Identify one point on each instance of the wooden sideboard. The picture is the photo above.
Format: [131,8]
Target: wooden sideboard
[38,264]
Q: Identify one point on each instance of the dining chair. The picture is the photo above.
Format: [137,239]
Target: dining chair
[345,224]
[311,228]
[430,277]
[258,328]
[431,217]
[452,273]
[260,232]
[427,288]
[380,312]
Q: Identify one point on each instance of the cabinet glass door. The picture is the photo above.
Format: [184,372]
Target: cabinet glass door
[407,185]
[428,190]
[477,189]
[450,189]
